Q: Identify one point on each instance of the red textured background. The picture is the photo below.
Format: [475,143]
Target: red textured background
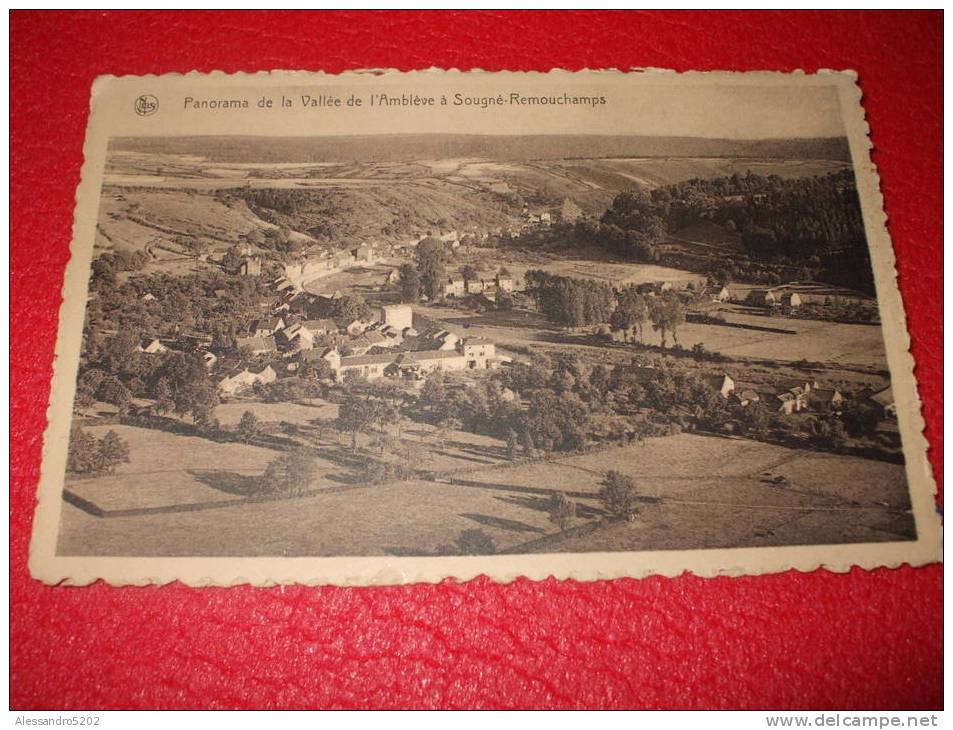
[863,640]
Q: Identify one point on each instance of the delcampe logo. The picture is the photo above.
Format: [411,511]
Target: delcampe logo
[146,105]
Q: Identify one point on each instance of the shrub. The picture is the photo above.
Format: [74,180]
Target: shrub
[618,495]
[475,542]
[562,510]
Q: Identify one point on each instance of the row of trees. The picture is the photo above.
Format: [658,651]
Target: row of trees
[579,302]
[89,455]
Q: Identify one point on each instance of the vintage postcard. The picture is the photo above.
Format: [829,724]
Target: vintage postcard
[386,327]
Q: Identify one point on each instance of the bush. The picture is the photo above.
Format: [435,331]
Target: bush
[289,475]
[475,542]
[618,495]
[562,510]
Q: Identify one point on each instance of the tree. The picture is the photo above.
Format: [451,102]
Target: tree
[355,415]
[111,390]
[288,475]
[562,510]
[349,308]
[112,451]
[431,259]
[82,455]
[248,426]
[630,312]
[203,404]
[315,369]
[757,420]
[618,495]
[667,315]
[529,446]
[409,283]
[164,400]
[469,273]
[827,432]
[861,418]
[511,438]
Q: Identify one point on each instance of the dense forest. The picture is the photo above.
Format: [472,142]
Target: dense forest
[804,226]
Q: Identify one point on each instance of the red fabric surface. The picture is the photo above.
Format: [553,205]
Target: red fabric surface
[820,640]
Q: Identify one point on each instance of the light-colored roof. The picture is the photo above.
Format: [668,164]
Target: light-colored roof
[257,343]
[366,360]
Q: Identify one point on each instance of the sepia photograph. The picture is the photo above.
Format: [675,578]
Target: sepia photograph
[533,341]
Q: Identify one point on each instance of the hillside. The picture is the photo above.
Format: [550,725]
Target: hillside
[410,147]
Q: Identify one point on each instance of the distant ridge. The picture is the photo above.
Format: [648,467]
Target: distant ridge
[411,147]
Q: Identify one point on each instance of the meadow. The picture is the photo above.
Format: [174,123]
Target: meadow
[688,504]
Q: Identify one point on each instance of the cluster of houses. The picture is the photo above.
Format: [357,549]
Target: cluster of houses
[787,398]
[457,286]
[795,294]
[298,274]
[387,346]
[795,397]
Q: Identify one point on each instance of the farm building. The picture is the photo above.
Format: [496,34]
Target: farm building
[791,299]
[244,379]
[473,354]
[267,326]
[824,294]
[762,298]
[723,295]
[745,394]
[320,327]
[298,336]
[454,287]
[151,346]
[827,399]
[722,383]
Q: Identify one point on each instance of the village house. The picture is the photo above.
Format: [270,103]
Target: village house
[745,394]
[724,294]
[398,316]
[722,383]
[829,399]
[762,298]
[148,297]
[444,340]
[251,266]
[151,346]
[505,282]
[475,286]
[454,287]
[320,327]
[267,326]
[297,336]
[792,300]
[471,354]
[357,326]
[479,352]
[792,398]
[243,379]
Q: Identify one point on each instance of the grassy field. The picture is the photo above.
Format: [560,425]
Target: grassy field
[827,499]
[817,341]
[832,343]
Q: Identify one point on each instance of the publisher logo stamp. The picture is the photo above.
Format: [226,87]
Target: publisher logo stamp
[146,105]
